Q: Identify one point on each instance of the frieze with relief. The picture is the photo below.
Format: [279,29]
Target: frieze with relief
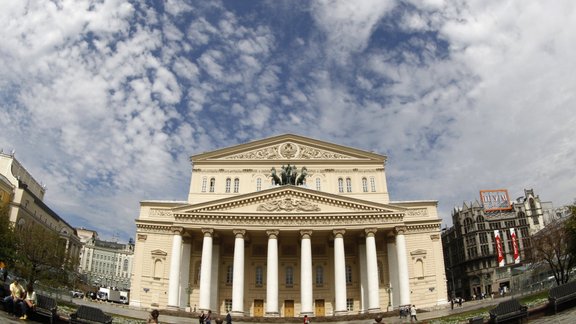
[291,220]
[289,205]
[289,151]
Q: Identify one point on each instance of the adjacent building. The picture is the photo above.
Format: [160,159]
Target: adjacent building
[475,263]
[105,263]
[288,226]
[25,198]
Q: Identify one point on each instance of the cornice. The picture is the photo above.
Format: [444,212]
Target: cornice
[290,220]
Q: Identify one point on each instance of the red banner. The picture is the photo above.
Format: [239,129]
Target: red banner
[498,241]
[515,246]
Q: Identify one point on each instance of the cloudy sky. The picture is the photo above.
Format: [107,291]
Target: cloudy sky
[105,100]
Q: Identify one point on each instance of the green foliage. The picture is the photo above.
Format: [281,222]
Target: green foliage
[7,238]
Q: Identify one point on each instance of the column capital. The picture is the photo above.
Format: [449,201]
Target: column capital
[370,231]
[239,233]
[339,232]
[208,232]
[306,233]
[400,230]
[435,237]
[177,230]
[273,234]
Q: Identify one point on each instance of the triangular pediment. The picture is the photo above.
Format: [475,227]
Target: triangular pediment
[288,147]
[289,200]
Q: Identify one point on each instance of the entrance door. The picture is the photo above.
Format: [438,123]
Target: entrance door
[288,308]
[320,307]
[258,308]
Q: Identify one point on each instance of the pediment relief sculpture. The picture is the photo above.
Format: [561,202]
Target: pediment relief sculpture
[289,205]
[288,150]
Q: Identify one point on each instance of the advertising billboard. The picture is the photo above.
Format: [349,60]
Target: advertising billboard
[500,251]
[515,246]
[494,200]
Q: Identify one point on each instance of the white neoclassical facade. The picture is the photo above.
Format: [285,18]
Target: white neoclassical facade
[317,236]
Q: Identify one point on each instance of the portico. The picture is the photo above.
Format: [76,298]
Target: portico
[327,242]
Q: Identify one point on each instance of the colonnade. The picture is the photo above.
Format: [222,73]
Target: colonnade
[397,261]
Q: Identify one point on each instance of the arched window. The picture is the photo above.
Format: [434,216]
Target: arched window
[364,185]
[289,277]
[204,180]
[259,276]
[319,276]
[212,184]
[229,275]
[258,184]
[158,269]
[340,185]
[228,182]
[236,185]
[419,268]
[348,185]
[318,187]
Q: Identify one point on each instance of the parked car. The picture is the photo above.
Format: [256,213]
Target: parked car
[76,294]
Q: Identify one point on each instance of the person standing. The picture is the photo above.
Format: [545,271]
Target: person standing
[228,318]
[153,319]
[413,313]
[201,318]
[208,319]
[306,319]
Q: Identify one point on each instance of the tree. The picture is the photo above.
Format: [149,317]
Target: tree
[7,238]
[42,254]
[555,245]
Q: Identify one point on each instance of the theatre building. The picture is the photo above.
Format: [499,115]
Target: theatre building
[284,227]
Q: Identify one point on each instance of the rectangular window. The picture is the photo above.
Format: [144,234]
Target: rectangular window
[259,276]
[289,277]
[228,305]
[373,184]
[350,304]
[348,275]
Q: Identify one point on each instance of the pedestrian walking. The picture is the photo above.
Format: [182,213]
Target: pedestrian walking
[413,313]
[153,319]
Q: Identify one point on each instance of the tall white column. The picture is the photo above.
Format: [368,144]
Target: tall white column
[214,272]
[363,277]
[175,259]
[238,275]
[403,277]
[206,270]
[372,268]
[393,285]
[306,274]
[339,273]
[185,273]
[272,275]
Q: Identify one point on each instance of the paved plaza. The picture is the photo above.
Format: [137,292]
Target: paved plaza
[564,317]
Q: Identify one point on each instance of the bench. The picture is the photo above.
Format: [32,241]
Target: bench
[507,311]
[562,294]
[87,314]
[45,307]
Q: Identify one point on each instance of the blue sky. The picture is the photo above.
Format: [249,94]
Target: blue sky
[105,101]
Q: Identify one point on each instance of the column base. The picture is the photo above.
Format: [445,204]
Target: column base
[272,314]
[374,310]
[172,307]
[342,312]
[237,313]
[310,314]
